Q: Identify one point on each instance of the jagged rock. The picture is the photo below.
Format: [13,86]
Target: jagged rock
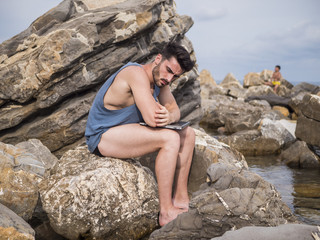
[296,101]
[230,81]
[309,120]
[286,83]
[14,227]
[252,79]
[298,155]
[235,198]
[207,150]
[103,198]
[20,173]
[235,115]
[283,232]
[51,71]
[205,77]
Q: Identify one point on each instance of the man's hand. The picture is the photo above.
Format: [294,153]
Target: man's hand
[162,116]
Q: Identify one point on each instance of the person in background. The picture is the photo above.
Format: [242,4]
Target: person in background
[275,79]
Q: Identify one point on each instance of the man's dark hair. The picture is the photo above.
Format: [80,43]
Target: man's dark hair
[278,66]
[173,49]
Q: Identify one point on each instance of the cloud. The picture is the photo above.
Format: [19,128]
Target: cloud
[209,14]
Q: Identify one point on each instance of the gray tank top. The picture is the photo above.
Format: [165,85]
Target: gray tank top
[101,119]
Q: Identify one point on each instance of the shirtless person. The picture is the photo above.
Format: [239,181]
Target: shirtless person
[138,93]
[275,79]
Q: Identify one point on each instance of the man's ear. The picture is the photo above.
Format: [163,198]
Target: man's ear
[158,59]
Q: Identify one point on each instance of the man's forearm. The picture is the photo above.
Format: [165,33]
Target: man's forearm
[174,115]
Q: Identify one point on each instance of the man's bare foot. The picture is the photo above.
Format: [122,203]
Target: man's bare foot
[181,204]
[168,216]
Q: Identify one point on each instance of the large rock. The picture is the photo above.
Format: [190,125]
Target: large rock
[309,120]
[260,90]
[234,198]
[305,87]
[298,155]
[230,81]
[265,75]
[205,77]
[271,98]
[236,115]
[252,79]
[51,72]
[102,198]
[283,232]
[20,173]
[14,227]
[207,150]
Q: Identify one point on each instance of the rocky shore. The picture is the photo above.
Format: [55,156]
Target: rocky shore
[51,187]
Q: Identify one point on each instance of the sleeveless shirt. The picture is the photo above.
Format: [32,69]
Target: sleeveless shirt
[101,119]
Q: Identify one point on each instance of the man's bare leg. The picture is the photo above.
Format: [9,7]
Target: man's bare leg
[133,140]
[187,142]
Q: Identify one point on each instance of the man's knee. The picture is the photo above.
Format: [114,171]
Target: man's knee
[188,136]
[170,139]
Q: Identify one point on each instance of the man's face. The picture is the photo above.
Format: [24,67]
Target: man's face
[276,69]
[166,71]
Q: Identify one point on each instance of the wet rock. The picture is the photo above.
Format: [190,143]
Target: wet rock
[52,70]
[252,79]
[103,198]
[308,190]
[20,174]
[283,232]
[298,155]
[207,150]
[309,120]
[235,198]
[230,81]
[14,227]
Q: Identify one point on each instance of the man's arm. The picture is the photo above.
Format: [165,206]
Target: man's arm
[140,86]
[169,111]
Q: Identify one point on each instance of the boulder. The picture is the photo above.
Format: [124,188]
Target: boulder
[283,91]
[232,198]
[207,150]
[259,91]
[283,232]
[305,87]
[309,120]
[20,173]
[296,101]
[234,114]
[286,83]
[230,80]
[14,227]
[51,72]
[102,198]
[252,79]
[272,99]
[276,130]
[298,155]
[252,143]
[283,110]
[205,77]
[265,75]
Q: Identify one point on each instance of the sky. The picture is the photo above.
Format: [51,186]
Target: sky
[237,36]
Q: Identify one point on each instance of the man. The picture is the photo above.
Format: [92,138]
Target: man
[275,79]
[141,93]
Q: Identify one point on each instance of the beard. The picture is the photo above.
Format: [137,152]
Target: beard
[156,77]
